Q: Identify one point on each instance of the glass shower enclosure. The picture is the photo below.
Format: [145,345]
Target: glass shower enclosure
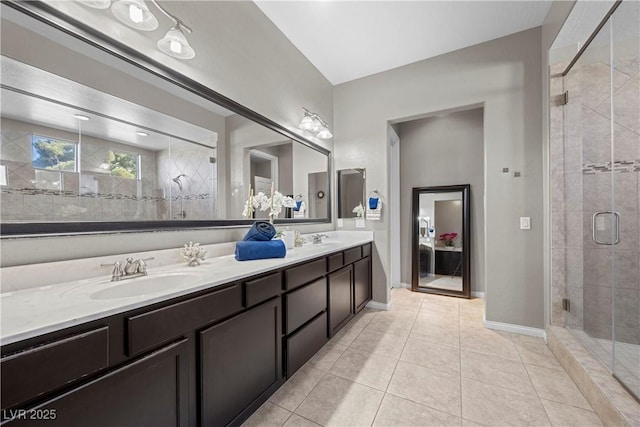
[595,167]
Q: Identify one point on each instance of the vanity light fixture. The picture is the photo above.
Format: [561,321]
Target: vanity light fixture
[81,117]
[313,123]
[136,14]
[175,44]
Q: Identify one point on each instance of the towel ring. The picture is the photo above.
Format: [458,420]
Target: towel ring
[374,192]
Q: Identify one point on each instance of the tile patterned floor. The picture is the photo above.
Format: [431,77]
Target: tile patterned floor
[428,361]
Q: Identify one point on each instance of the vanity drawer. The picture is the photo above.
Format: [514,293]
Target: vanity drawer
[335,261]
[148,330]
[351,255]
[304,303]
[302,345]
[262,289]
[306,273]
[366,250]
[42,369]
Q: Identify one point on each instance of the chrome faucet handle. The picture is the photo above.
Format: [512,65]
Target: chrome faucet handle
[142,265]
[117,272]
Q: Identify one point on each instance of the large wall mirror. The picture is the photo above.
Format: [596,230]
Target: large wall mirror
[351,191]
[97,138]
[440,240]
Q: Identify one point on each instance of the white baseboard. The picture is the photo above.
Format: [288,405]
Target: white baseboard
[516,329]
[477,294]
[402,285]
[378,305]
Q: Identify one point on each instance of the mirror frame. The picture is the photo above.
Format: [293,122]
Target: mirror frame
[465,189]
[54,18]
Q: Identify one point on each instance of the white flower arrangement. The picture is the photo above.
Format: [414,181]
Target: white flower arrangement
[273,204]
[359,210]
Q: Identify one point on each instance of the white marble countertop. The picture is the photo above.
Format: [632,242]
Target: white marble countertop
[444,249]
[34,311]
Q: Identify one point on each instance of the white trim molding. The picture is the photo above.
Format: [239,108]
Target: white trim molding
[379,305]
[477,294]
[516,329]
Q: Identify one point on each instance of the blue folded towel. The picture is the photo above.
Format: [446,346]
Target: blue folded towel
[246,251]
[373,203]
[260,230]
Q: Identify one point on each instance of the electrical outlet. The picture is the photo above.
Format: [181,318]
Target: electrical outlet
[525,223]
[340,222]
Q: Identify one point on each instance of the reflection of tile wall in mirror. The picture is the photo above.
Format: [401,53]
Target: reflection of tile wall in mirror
[100,190]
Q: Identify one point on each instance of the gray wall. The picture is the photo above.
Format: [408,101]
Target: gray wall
[444,151]
[240,64]
[448,219]
[504,76]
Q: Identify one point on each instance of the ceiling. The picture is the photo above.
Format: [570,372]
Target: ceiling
[347,40]
[118,120]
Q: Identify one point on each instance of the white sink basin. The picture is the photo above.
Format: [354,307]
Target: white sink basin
[139,286]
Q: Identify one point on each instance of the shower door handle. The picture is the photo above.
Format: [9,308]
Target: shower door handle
[597,224]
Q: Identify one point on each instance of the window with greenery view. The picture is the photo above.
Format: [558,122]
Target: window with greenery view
[124,165]
[53,154]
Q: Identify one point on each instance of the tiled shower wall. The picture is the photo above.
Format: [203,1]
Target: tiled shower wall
[582,174]
[93,194]
[197,197]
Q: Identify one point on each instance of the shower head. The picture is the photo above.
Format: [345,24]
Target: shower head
[178,181]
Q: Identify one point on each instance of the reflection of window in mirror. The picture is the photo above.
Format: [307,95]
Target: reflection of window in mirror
[124,164]
[53,154]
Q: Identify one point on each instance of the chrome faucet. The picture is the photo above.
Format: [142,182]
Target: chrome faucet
[317,238]
[133,268]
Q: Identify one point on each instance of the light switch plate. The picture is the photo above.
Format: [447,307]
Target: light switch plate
[360,223]
[340,222]
[525,223]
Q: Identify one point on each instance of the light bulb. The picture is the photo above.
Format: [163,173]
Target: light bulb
[316,125]
[135,13]
[324,133]
[175,46]
[306,123]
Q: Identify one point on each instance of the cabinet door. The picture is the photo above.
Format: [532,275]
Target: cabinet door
[340,298]
[362,282]
[240,363]
[152,391]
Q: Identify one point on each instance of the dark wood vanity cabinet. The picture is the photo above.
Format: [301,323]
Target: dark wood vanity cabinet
[240,362]
[350,286]
[362,283]
[151,391]
[449,263]
[206,359]
[340,298]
